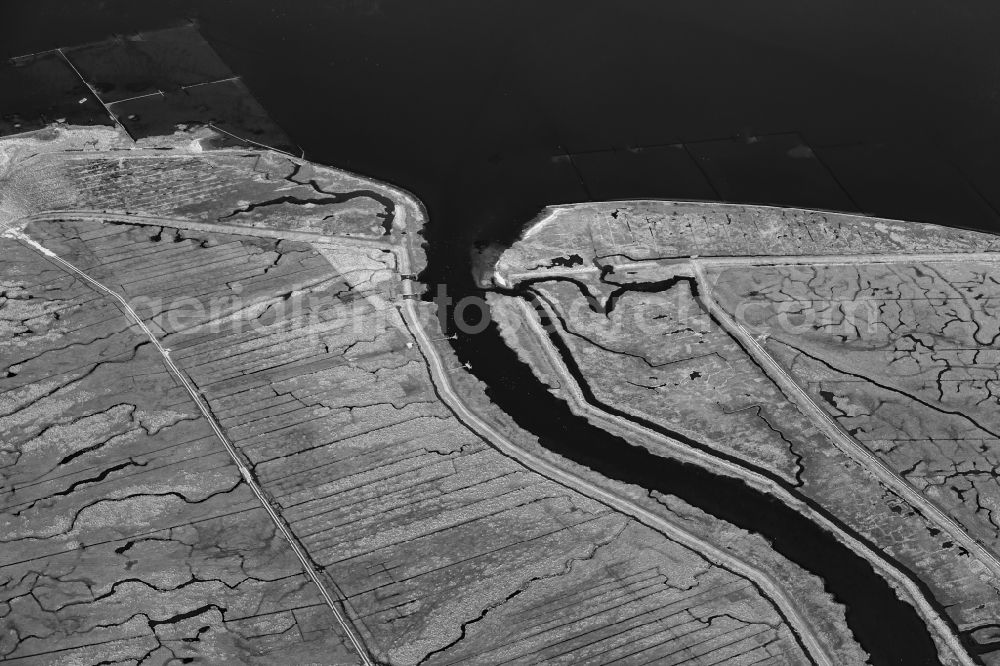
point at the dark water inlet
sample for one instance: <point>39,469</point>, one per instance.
<point>877,617</point>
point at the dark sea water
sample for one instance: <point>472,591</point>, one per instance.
<point>490,111</point>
